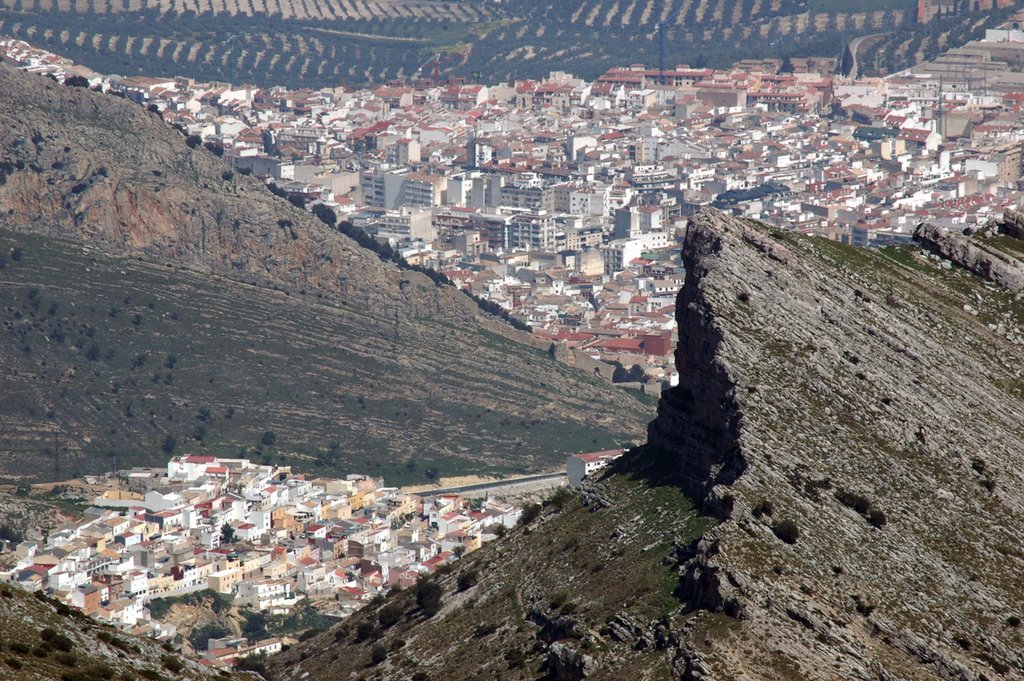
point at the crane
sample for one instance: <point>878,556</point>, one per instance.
<point>436,71</point>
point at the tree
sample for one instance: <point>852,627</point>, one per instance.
<point>76,81</point>
<point>255,624</point>
<point>169,445</point>
<point>459,551</point>
<point>325,214</point>
<point>269,438</point>
<point>227,534</point>
<point>428,596</point>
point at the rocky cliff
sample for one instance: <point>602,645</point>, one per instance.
<point>152,301</point>
<point>113,175</point>
<point>850,419</point>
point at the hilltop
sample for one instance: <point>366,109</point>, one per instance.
<point>154,302</point>
<point>834,490</point>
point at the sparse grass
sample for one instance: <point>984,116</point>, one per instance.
<point>567,544</point>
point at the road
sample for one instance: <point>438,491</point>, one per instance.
<point>537,481</point>
<point>855,47</point>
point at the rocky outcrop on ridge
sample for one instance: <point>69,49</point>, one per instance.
<point>854,419</point>
<point>104,171</point>
<point>851,418</point>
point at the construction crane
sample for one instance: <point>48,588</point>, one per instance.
<point>436,71</point>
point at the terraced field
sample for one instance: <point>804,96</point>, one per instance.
<point>324,42</point>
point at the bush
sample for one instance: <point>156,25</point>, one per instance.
<point>857,502</point>
<point>77,81</point>
<point>876,518</point>
<point>193,141</point>
<point>560,498</point>
<point>389,615</point>
<point>787,531</point>
<point>365,631</point>
<point>57,640</point>
<point>214,148</point>
<point>762,509</point>
<point>428,596</point>
<point>485,630</point>
<point>530,513</point>
<point>172,664</point>
<point>468,578</point>
<point>378,654</point>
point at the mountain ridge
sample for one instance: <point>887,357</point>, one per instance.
<point>849,418</point>
<point>161,303</point>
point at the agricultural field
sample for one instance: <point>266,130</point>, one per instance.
<point>903,48</point>
<point>315,43</point>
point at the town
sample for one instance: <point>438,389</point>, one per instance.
<point>264,537</point>
<point>562,202</point>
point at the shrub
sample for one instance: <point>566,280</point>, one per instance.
<point>67,659</point>
<point>172,664</point>
<point>530,513</point>
<point>77,81</point>
<point>763,508</point>
<point>787,531</point>
<point>468,578</point>
<point>485,630</point>
<point>193,141</point>
<point>1013,621</point>
<point>378,654</point>
<point>428,596</point>
<point>876,518</point>
<point>365,631</point>
<point>857,502</point>
<point>214,148</point>
<point>13,663</point>
<point>389,615</point>
<point>560,498</point>
<point>57,640</point>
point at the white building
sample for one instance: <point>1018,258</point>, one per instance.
<point>579,466</point>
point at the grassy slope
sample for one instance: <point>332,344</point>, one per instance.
<point>561,578</point>
<point>396,400</point>
<point>84,650</point>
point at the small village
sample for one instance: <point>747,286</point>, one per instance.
<point>263,536</point>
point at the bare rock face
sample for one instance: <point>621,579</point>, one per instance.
<point>854,418</point>
<point>85,165</point>
<point>974,255</point>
